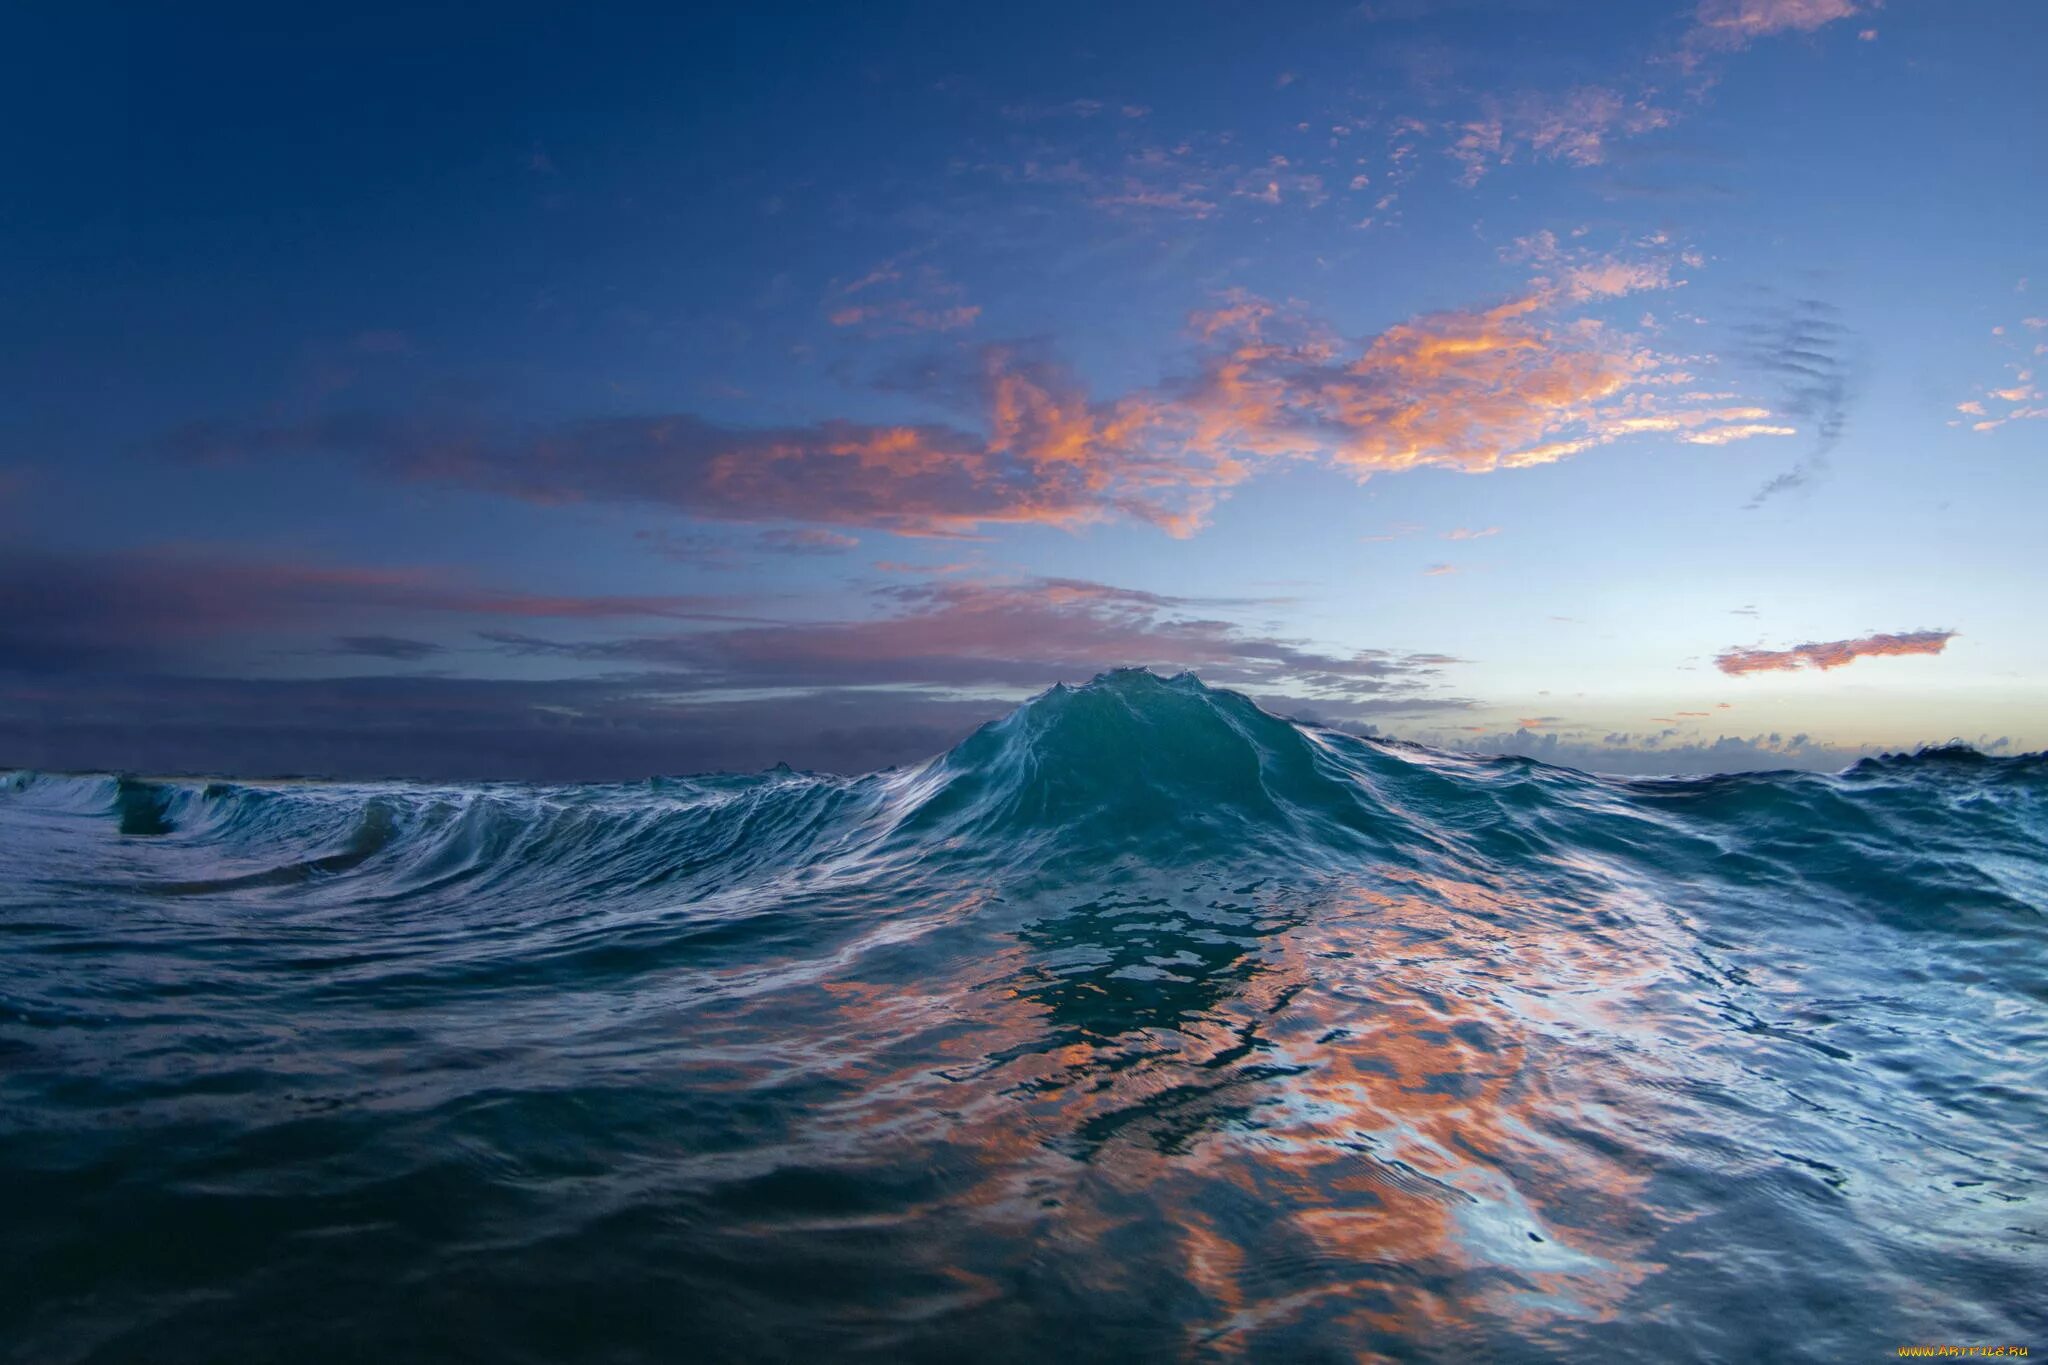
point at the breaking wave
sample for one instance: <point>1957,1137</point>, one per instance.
<point>1142,1024</point>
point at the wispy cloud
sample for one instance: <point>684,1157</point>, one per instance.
<point>2018,398</point>
<point>618,727</point>
<point>1517,384</point>
<point>165,609</point>
<point>1733,24</point>
<point>898,566</point>
<point>1801,346</point>
<point>808,540</point>
<point>397,648</point>
<point>901,295</point>
<point>1831,653</point>
<point>722,551</point>
<point>1575,127</point>
<point>1573,272</point>
<point>1005,633</point>
<point>1036,111</point>
<point>61,610</point>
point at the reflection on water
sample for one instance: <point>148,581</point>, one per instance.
<point>1364,1054</point>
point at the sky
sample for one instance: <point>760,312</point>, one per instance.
<point>588,394</point>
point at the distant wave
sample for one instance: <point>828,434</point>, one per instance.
<point>1141,1014</point>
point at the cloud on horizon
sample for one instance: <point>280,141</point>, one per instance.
<point>1663,754</point>
<point>1829,654</point>
<point>61,609</point>
<point>1011,634</point>
<point>158,659</point>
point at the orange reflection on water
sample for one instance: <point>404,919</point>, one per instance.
<point>1422,1137</point>
<point>1341,1122</point>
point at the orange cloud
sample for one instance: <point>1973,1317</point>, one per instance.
<point>1831,653</point>
<point>2022,397</point>
<point>1517,384</point>
<point>1504,387</point>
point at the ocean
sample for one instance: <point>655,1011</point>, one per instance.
<point>1142,1025</point>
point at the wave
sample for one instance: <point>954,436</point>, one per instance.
<point>1152,771</point>
<point>1141,1018</point>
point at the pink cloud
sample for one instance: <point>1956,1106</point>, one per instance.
<point>896,297</point>
<point>1018,632</point>
<point>1829,654</point>
<point>1504,387</point>
<point>1519,383</point>
<point>1736,23</point>
<point>2022,397</point>
<point>1575,127</point>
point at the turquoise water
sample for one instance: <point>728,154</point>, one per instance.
<point>1143,1025</point>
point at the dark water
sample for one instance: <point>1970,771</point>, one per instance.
<point>1141,1026</point>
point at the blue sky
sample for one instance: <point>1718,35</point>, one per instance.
<point>1645,386</point>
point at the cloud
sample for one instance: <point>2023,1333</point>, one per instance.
<point>901,295</point>
<point>807,541</point>
<point>1440,570</point>
<point>1582,126</point>
<point>898,566</point>
<point>116,671</point>
<point>1801,347</point>
<point>1052,459</point>
<point>1575,127</point>
<point>1831,653</point>
<point>1661,753</point>
<point>1521,382</point>
<point>1734,24</point>
<point>1739,431</point>
<point>1190,178</point>
<point>65,610</point>
<point>706,551</point>
<point>2020,399</point>
<point>1038,111</point>
<point>123,682</point>
<point>1022,633</point>
<point>1463,533</point>
<point>619,728</point>
<point>1510,386</point>
<point>392,647</point>
<point>1576,274</point>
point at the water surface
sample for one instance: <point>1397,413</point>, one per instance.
<point>1143,1025</point>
